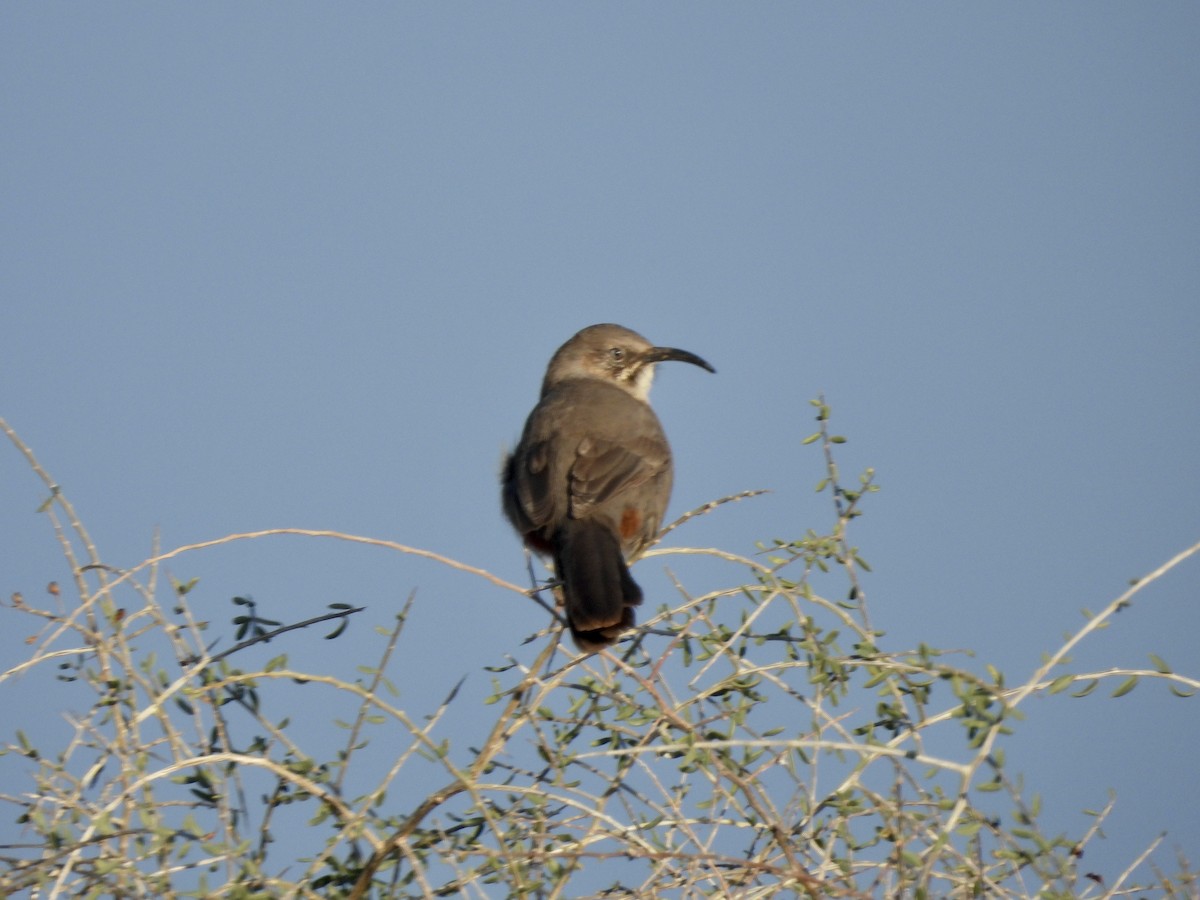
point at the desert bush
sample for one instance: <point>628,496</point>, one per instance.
<point>758,740</point>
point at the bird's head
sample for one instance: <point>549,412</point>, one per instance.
<point>614,354</point>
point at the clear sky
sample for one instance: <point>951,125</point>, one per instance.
<point>303,265</point>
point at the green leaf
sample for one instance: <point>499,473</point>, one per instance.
<point>1126,686</point>
<point>183,587</point>
<point>337,631</point>
<point>1160,664</point>
<point>1087,688</point>
<point>1060,684</point>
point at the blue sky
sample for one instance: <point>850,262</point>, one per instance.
<point>271,266</point>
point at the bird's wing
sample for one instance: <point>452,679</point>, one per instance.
<point>604,470</point>
<point>530,480</point>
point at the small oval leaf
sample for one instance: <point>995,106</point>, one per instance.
<point>1126,686</point>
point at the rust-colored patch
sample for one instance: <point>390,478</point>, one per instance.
<point>631,523</point>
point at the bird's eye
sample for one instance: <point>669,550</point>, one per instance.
<point>617,353</point>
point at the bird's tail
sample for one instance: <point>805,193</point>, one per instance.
<point>598,590</point>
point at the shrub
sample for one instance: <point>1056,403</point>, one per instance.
<point>748,742</point>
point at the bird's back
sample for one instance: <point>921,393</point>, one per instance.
<point>590,451</point>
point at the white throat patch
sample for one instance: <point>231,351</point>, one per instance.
<point>640,386</point>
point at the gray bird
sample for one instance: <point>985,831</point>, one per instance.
<point>589,482</point>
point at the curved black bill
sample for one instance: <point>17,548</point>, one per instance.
<point>662,354</point>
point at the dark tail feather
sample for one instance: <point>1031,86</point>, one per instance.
<point>598,590</point>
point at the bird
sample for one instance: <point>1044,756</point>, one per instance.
<point>588,483</point>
